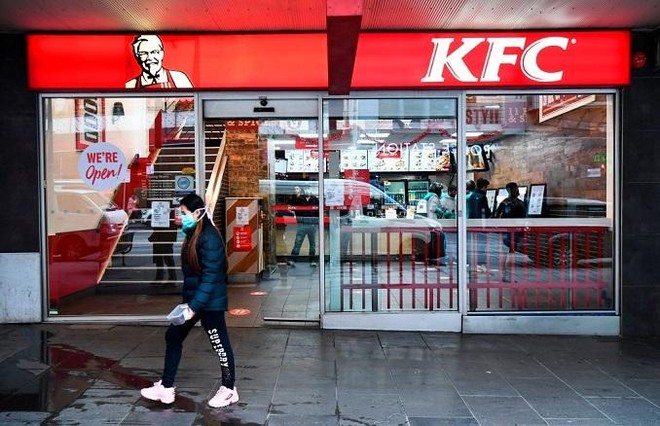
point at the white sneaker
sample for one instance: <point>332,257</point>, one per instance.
<point>159,393</point>
<point>223,397</point>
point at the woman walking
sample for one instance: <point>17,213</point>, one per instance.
<point>204,267</point>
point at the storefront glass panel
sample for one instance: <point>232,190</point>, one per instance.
<point>114,170</point>
<point>288,186</point>
<point>540,223</point>
<point>390,247</point>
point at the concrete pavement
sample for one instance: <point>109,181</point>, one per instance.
<point>57,374</point>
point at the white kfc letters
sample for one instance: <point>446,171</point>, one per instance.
<point>501,51</point>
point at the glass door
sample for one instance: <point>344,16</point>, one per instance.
<point>390,255</point>
<point>271,146</point>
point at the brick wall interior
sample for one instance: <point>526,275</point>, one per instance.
<point>248,162</point>
<point>557,152</point>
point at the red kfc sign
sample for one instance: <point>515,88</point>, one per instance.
<point>567,58</point>
<point>299,61</point>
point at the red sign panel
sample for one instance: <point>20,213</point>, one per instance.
<point>440,60</point>
<point>352,192</point>
<point>177,61</point>
<point>244,125</point>
<point>299,61</point>
<point>242,238</point>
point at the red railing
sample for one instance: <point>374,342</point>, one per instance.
<point>540,268</point>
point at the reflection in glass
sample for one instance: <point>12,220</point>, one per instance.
<point>110,249</point>
<point>385,254</point>
<point>559,256</point>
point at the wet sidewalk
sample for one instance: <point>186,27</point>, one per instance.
<point>91,375</point>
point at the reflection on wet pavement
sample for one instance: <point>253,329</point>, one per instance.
<point>62,384</point>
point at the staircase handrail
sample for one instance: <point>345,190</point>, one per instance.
<point>215,180</point>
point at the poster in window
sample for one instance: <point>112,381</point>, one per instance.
<point>522,193</point>
<point>281,165</point>
<point>160,214</point>
<point>333,192</point>
<point>490,197</point>
<point>501,194</point>
<point>535,204</point>
<point>476,159</point>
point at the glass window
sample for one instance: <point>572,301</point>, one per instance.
<point>389,202</point>
<point>540,212</point>
<point>115,168</point>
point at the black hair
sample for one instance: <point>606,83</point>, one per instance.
<point>436,188</point>
<point>482,183</point>
<point>470,185</point>
<point>511,186</point>
<point>192,202</point>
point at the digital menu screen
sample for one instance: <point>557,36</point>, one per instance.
<point>302,160</point>
<point>353,159</point>
<point>386,161</point>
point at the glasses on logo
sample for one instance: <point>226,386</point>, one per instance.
<point>145,55</point>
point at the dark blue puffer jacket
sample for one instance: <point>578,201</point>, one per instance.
<point>206,291</point>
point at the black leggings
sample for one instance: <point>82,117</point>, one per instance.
<point>216,330</point>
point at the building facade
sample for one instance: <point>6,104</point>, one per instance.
<point>574,262</point>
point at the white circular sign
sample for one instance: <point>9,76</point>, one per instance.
<point>102,166</point>
<point>184,183</point>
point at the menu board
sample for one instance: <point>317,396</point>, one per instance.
<point>430,160</point>
<point>302,160</point>
<point>443,159</point>
<point>397,159</point>
<point>535,203</point>
<point>384,161</point>
<point>422,160</point>
<point>353,159</point>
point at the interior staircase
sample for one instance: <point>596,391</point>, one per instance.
<point>134,267</point>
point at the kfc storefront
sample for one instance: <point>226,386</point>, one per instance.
<point>326,190</point>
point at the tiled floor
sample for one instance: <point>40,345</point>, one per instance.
<point>285,293</point>
<point>91,375</point>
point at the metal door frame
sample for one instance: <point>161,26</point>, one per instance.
<point>449,321</point>
<point>255,105</point>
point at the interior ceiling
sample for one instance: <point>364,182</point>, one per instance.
<point>341,19</point>
<point>306,15</point>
